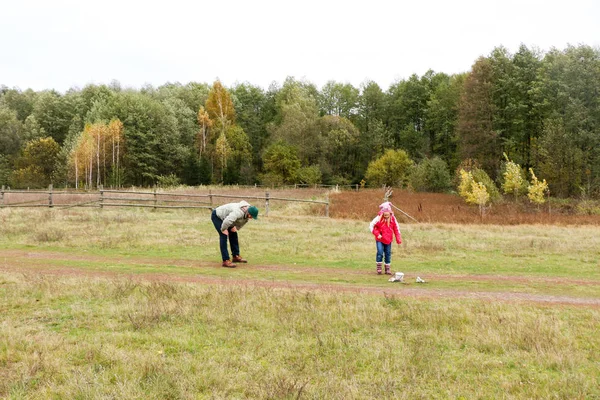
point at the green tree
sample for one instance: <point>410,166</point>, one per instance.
<point>442,118</point>
<point>296,124</point>
<point>281,163</point>
<point>561,160</point>
<point>36,164</point>
<point>477,138</point>
<point>20,102</point>
<point>54,113</point>
<point>340,147</point>
<point>431,175</point>
<point>338,99</point>
<point>391,169</point>
<point>254,110</point>
<point>406,105</point>
<point>239,157</point>
<point>309,175</point>
<point>10,131</point>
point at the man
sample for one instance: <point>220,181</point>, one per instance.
<point>228,219</point>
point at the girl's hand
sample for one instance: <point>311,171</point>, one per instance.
<point>234,229</point>
<point>379,237</point>
<point>225,232</point>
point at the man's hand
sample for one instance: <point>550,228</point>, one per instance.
<point>225,232</point>
<point>234,229</point>
<point>379,237</point>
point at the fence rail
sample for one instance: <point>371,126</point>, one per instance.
<point>110,198</point>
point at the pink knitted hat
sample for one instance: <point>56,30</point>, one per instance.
<point>385,207</point>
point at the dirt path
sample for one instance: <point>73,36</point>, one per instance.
<point>22,261</point>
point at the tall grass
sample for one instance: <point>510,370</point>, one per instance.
<point>450,208</point>
<point>118,338</point>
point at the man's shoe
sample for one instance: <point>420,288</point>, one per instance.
<point>238,259</point>
<point>228,264</point>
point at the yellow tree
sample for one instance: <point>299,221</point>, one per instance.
<point>219,107</point>
<point>115,133</point>
<point>222,152</point>
<point>513,178</point>
<point>83,156</point>
<point>205,124</point>
<point>473,192</point>
<point>99,132</point>
<point>221,113</point>
<point>537,189</point>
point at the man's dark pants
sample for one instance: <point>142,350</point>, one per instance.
<point>233,238</point>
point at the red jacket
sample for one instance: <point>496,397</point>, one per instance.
<point>380,227</point>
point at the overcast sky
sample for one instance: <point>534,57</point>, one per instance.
<point>59,44</point>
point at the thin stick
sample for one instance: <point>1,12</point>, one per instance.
<point>404,213</point>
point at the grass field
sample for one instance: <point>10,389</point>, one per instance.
<point>134,304</point>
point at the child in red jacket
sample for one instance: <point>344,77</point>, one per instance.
<point>384,226</point>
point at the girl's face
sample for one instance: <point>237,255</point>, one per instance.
<point>386,215</point>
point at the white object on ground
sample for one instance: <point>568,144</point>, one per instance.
<point>398,277</point>
<point>419,280</point>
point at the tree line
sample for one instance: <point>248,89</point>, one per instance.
<point>541,109</point>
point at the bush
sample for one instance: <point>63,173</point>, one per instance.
<point>431,175</point>
<point>392,169</point>
<point>168,181</point>
<point>29,177</point>
<point>309,175</point>
<point>480,176</point>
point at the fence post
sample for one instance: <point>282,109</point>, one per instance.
<point>2,197</point>
<point>327,206</point>
<point>101,196</point>
<point>357,187</point>
<point>210,196</point>
<point>155,197</point>
<point>50,205</point>
<point>266,204</point>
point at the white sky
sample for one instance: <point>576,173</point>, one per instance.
<point>59,44</point>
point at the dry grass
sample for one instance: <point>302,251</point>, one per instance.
<point>87,339</point>
<point>448,208</point>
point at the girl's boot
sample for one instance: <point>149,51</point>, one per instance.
<point>387,269</point>
<point>378,268</point>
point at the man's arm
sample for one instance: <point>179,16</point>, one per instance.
<point>230,219</point>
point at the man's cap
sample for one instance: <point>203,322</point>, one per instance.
<point>252,210</point>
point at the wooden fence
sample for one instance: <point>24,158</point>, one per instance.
<point>121,198</point>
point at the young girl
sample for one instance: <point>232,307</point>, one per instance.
<point>384,226</point>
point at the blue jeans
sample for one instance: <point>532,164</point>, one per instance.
<point>384,249</point>
<point>233,238</point>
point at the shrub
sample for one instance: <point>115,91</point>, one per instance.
<point>392,169</point>
<point>431,175</point>
<point>514,180</point>
<point>309,175</point>
<point>537,189</point>
<point>480,176</point>
<point>168,181</point>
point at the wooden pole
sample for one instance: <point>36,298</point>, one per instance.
<point>50,205</point>
<point>266,204</point>
<point>327,207</point>
<point>101,196</point>
<point>2,197</point>
<point>155,197</point>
